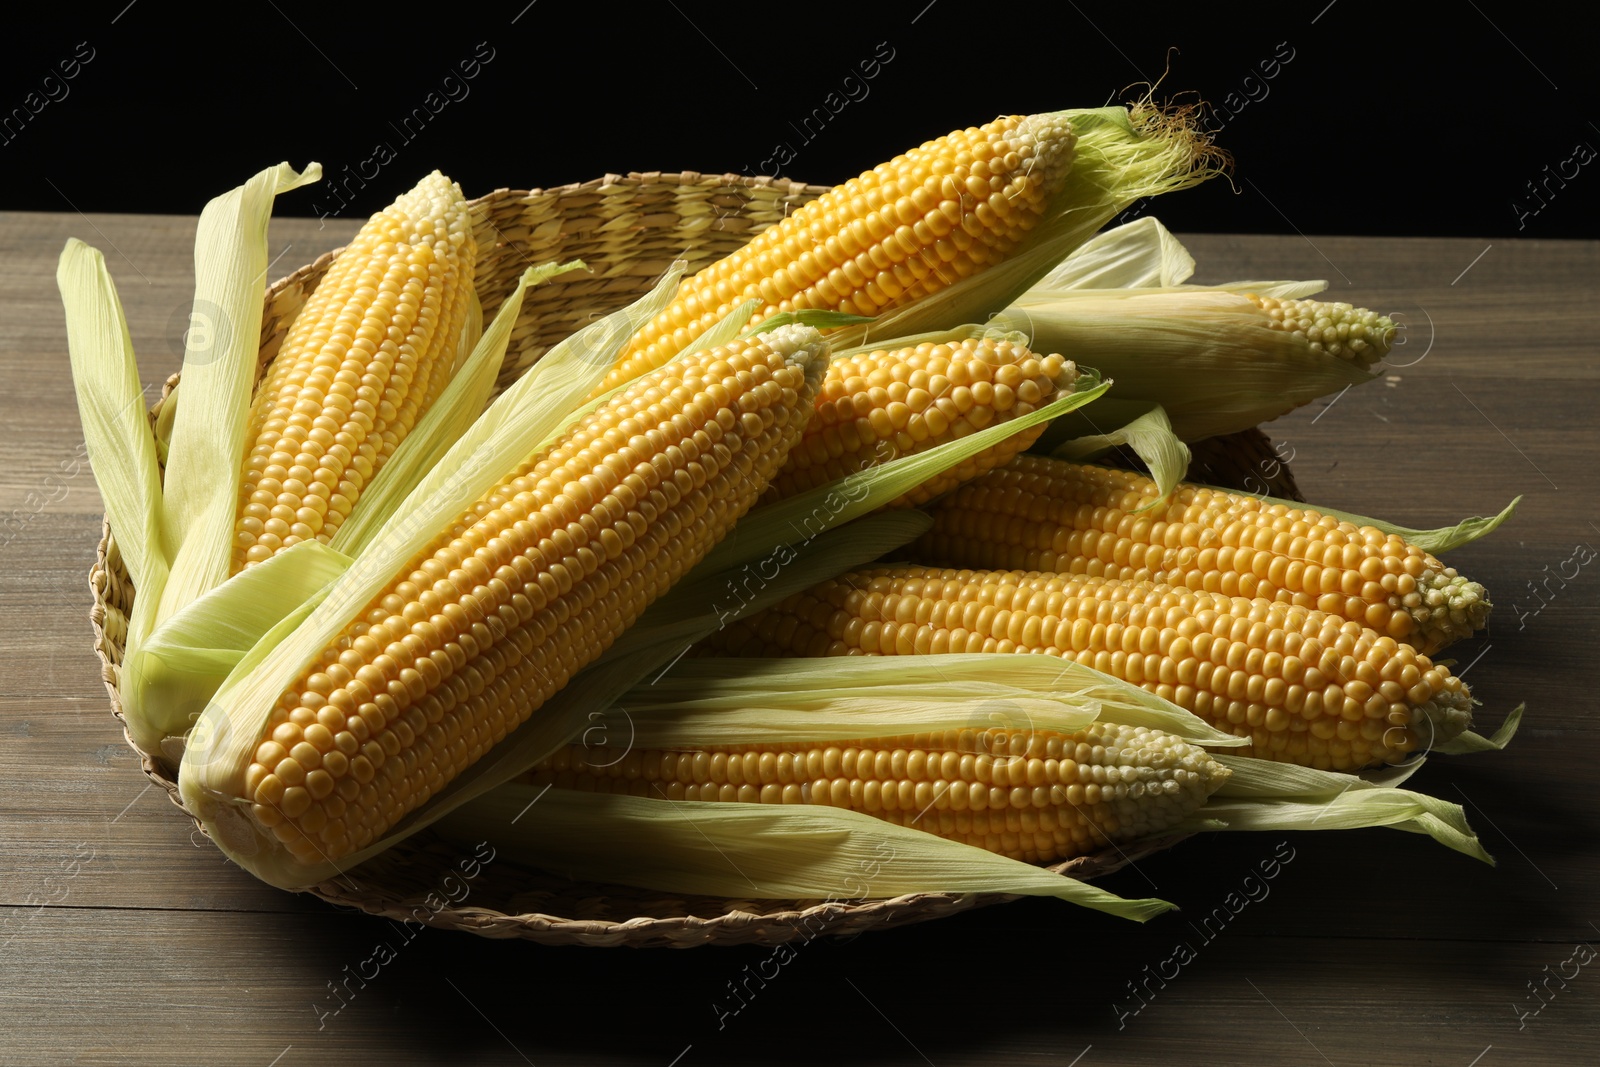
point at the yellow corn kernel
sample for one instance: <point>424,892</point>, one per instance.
<point>540,578</point>
<point>371,349</point>
<point>1305,687</point>
<point>1021,793</point>
<point>880,406</point>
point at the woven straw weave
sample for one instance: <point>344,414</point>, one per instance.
<point>628,230</point>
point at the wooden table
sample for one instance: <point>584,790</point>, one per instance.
<point>128,939</point>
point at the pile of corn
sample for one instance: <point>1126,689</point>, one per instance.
<point>369,600</point>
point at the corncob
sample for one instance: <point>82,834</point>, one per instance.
<point>1049,515</point>
<point>1032,795</point>
<point>913,226</point>
<point>533,584</point>
<point>1331,327</point>
<point>879,406</point>
<point>1304,686</point>
<point>1218,359</point>
<point>360,364</point>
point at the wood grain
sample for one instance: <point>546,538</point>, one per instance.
<point>124,939</point>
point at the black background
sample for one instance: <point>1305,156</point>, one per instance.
<point>1396,119</point>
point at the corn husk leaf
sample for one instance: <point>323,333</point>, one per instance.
<point>726,701</point>
<point>540,402</point>
<point>165,417</point>
<point>1144,254</point>
<point>173,675</point>
<point>456,409</point>
<point>1137,255</point>
<point>753,850</point>
<point>1281,290</point>
<point>204,458</point>
<point>1440,540</point>
<point>1121,155</point>
<point>727,330</point>
<point>116,426</point>
<point>121,447</point>
<point>1148,433</point>
<point>471,332</point>
<point>1265,795</point>
<point>804,515</point>
<point>1468,741</point>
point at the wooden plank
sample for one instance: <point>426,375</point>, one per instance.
<point>207,987</point>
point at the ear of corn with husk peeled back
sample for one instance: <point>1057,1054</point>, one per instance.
<point>504,607</point>
<point>957,226</point>
<point>1044,514</point>
<point>1304,686</point>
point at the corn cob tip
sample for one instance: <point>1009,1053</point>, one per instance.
<point>1050,138</point>
<point>1444,718</point>
<point>1170,778</point>
<point>1447,607</point>
<point>1334,328</point>
<point>800,344</point>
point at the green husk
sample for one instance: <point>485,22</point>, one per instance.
<point>219,370</point>
<point>1207,355</point>
<point>753,850</point>
<point>471,332</point>
<point>726,701</point>
<point>727,330</point>
<point>1120,303</point>
<point>176,540</point>
<point>116,427</point>
<point>165,417</point>
<point>1437,541</point>
<point>1142,254</point>
<point>173,675</point>
<point>1146,430</point>
<point>1468,742</point>
<point>1265,795</point>
<point>122,451</point>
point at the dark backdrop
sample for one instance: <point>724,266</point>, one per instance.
<point>1345,117</point>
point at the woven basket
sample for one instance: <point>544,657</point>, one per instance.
<point>628,230</point>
